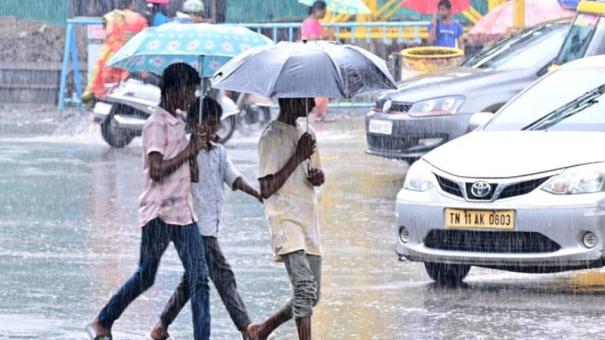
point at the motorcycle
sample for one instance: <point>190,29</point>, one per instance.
<point>255,113</point>
<point>122,111</point>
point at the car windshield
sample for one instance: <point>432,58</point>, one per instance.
<point>546,99</point>
<point>534,47</point>
<point>585,38</point>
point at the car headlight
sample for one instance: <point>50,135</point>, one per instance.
<point>437,106</point>
<point>583,179</point>
<point>419,177</point>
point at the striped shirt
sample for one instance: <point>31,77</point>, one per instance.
<point>169,199</point>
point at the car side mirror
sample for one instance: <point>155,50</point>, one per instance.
<point>479,119</point>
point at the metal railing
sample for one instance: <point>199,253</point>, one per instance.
<point>350,32</point>
<point>71,49</point>
<point>406,31</point>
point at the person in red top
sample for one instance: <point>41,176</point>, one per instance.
<point>312,29</point>
<point>120,24</point>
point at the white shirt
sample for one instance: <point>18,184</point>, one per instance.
<point>216,170</point>
<point>292,211</point>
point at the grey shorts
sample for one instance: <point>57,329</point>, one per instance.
<point>305,276</point>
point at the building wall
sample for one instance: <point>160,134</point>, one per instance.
<point>53,11</point>
<point>265,10</point>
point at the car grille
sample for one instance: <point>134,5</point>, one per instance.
<point>490,241</point>
<point>400,107</point>
<point>449,186</point>
<point>395,106</point>
<point>511,190</point>
<point>522,188</point>
<point>389,143</point>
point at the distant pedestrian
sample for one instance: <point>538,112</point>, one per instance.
<point>166,206</point>
<point>289,171</point>
<point>192,13</point>
<point>445,31</point>
<point>311,29</point>
<point>121,24</point>
<point>157,12</point>
<point>215,170</point>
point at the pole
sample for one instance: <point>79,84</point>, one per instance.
<point>518,14</point>
<point>214,11</point>
<point>373,6</point>
<point>64,69</point>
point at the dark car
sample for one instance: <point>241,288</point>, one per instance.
<point>429,110</point>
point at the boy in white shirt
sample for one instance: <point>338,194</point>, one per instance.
<point>214,169</point>
<point>289,172</point>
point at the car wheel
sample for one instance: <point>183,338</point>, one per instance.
<point>113,134</point>
<point>447,274</point>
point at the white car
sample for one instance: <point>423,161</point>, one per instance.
<point>524,192</point>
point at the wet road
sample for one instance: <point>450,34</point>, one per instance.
<point>68,239</point>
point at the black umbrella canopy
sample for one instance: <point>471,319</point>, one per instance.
<point>302,70</point>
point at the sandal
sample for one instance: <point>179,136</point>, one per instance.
<point>92,333</point>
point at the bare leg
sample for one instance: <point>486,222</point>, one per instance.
<point>303,325</point>
<point>262,331</point>
<point>159,332</point>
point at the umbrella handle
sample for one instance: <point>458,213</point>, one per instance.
<point>307,127</point>
<point>202,90</point>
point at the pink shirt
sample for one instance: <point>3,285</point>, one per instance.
<point>311,29</point>
<point>169,199</point>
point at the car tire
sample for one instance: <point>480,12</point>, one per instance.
<point>114,135</point>
<point>447,274</point>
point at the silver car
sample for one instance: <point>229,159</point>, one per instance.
<point>433,109</point>
<point>523,192</point>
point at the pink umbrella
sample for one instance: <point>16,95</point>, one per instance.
<point>499,21</point>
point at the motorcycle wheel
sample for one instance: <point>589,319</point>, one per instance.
<point>253,118</point>
<point>266,115</point>
<point>227,128</point>
<point>114,135</point>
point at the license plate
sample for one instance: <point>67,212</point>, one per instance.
<point>481,219</point>
<point>102,108</point>
<point>383,127</point>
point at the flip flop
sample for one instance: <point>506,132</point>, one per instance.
<point>90,330</point>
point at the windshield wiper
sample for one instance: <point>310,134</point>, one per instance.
<point>577,105</point>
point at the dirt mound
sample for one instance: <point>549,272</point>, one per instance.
<point>34,41</point>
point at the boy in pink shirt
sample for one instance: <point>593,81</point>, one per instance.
<point>166,212</point>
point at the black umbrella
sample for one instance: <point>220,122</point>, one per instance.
<point>304,70</point>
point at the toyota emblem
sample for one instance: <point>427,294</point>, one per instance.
<point>481,189</point>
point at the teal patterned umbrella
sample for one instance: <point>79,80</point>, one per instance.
<point>342,6</point>
<point>203,46</point>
